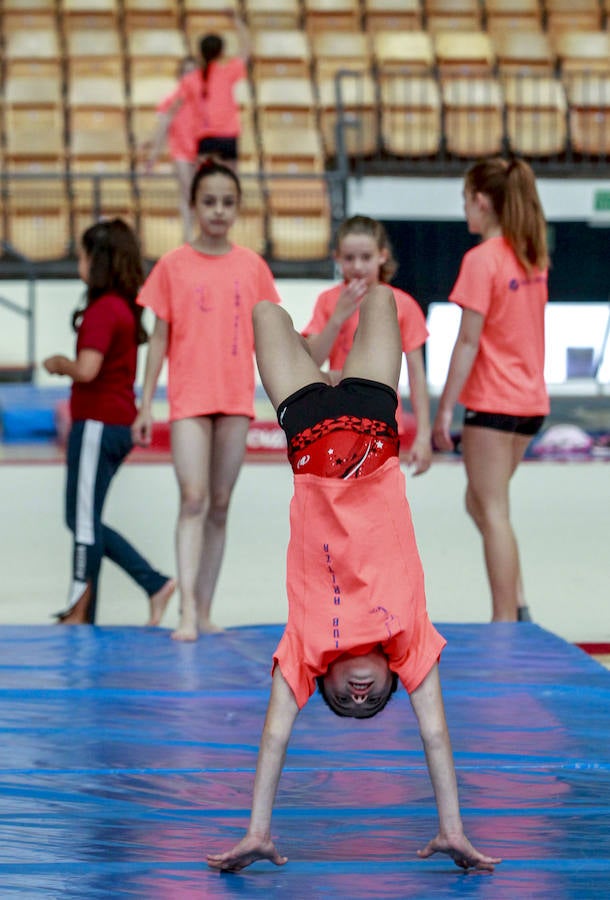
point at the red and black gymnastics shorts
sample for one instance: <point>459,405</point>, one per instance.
<point>345,431</point>
<point>527,425</point>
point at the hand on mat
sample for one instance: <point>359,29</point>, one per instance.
<point>249,850</point>
<point>461,852</point>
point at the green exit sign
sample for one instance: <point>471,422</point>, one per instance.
<point>601,201</point>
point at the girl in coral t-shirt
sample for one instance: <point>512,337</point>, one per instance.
<point>497,366</point>
<point>208,93</point>
<point>364,254</point>
<point>180,131</point>
<point>357,619</point>
<point>203,294</point>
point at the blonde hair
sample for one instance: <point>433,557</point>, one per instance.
<point>375,230</point>
<point>511,188</point>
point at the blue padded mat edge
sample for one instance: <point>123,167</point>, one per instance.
<point>125,757</point>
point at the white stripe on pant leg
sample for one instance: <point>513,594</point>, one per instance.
<point>87,476</point>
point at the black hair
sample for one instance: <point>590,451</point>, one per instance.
<point>363,712</point>
<point>211,166</point>
<point>210,47</point>
<point>115,267</point>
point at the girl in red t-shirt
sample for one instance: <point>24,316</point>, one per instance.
<point>364,255</point>
<point>102,408</point>
<point>497,366</point>
<point>203,294</point>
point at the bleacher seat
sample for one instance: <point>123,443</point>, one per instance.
<point>272,14</point>
<point>473,116</point>
<point>392,15</point>
<point>90,15</point>
<point>155,51</point>
<point>333,15</point>
<point>299,237</point>
<point>573,15</point>
<point>335,50</point>
<point>452,15</point>
<point>153,14</point>
<point>358,102</point>
<point>292,151</point>
<point>513,15</point>
<point>285,102</point>
<point>410,115</point>
<point>535,115</point>
<point>589,114</point>
<point>24,128</point>
<point>103,56</point>
<point>38,218</point>
<point>523,53</point>
<point>410,52</point>
<point>281,52</point>
<point>582,52</point>
<point>461,54</point>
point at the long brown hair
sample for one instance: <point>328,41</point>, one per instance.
<point>115,267</point>
<point>511,187</point>
<point>375,230</point>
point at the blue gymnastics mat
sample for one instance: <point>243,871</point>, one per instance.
<point>125,757</point>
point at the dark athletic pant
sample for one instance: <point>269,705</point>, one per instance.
<point>95,452</point>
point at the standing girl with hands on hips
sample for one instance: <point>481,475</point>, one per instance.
<point>102,408</point>
<point>363,252</point>
<point>497,365</point>
<point>203,294</point>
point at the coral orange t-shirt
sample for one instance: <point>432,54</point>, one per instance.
<point>207,302</point>
<point>508,372</point>
<point>182,132</point>
<point>411,321</point>
<point>354,580</point>
<point>216,113</point>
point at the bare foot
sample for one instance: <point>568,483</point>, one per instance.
<point>159,601</point>
<point>78,614</point>
<point>187,629</point>
<point>206,626</point>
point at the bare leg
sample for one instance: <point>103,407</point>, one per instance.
<point>228,448</point>
<point>184,173</point>
<point>159,600</point>
<point>284,362</point>
<point>491,458</point>
<point>191,453</point>
<point>376,352</point>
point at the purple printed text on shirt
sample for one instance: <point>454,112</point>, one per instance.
<point>335,596</point>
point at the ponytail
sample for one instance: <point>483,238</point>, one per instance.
<point>210,47</point>
<point>511,188</point>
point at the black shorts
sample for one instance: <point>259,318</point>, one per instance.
<point>346,431</point>
<point>527,425</point>
<point>357,397</point>
<point>223,147</point>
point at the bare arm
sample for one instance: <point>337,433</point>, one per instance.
<point>84,368</point>
<point>141,429</point>
<point>427,703</point>
<point>243,37</point>
<point>257,844</point>
<point>462,358</point>
<point>348,302</point>
<point>155,143</point>
<point>420,453</point>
